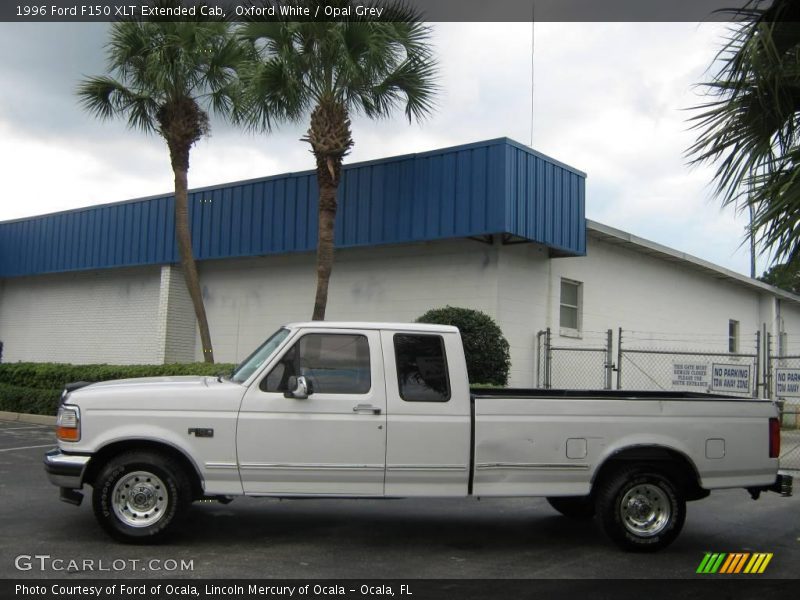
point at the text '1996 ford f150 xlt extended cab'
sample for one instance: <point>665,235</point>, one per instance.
<point>384,410</point>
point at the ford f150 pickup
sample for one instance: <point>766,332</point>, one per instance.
<point>384,410</point>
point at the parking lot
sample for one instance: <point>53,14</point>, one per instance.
<point>265,538</point>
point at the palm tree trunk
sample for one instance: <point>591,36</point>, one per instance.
<point>328,170</point>
<point>188,265</point>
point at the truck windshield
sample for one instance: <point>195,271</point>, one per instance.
<point>259,357</point>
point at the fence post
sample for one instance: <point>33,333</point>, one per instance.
<point>768,365</point>
<point>758,364</point>
<point>548,359</point>
<point>539,366</point>
<point>609,359</point>
<point>619,359</point>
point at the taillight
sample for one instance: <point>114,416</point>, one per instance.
<point>68,424</point>
<point>774,438</point>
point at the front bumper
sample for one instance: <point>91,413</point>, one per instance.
<point>65,470</point>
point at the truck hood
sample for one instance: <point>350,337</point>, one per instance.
<point>143,383</point>
<point>155,392</point>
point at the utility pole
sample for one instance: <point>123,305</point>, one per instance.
<point>752,244</point>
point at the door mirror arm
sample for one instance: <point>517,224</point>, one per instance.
<point>300,388</point>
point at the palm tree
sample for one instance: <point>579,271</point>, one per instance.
<point>750,127</point>
<point>165,77</point>
<point>335,70</point>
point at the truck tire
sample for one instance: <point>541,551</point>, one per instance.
<point>138,497</point>
<point>641,509</point>
<point>579,507</point>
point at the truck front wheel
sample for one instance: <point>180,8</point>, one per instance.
<point>640,509</point>
<point>139,496</point>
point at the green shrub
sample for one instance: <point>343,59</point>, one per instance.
<point>485,347</point>
<point>36,387</point>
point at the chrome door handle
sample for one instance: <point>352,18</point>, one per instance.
<point>367,408</point>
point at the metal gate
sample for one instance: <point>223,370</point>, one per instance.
<point>643,366</point>
<point>575,366</point>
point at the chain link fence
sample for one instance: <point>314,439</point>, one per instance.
<point>649,361</point>
<point>783,386</point>
<point>662,361</point>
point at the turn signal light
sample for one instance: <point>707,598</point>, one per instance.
<point>68,424</point>
<point>774,438</point>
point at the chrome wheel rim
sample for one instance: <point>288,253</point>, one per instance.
<point>645,510</point>
<point>139,499</point>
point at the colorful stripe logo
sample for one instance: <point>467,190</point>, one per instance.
<point>734,563</point>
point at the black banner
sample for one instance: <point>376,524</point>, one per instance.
<point>702,587</point>
<point>432,10</point>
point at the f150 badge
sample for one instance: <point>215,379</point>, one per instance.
<point>201,432</point>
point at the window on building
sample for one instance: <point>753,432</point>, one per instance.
<point>733,336</point>
<point>421,368</point>
<point>334,363</point>
<point>570,316</point>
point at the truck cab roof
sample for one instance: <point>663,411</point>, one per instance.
<point>422,327</point>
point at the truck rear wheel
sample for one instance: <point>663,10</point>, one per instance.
<point>579,507</point>
<point>640,509</point>
<point>139,496</point>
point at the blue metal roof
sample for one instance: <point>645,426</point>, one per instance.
<point>491,187</point>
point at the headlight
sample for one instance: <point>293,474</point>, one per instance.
<point>68,424</point>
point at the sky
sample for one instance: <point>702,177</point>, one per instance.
<point>610,99</point>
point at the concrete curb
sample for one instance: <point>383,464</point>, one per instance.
<point>27,418</point>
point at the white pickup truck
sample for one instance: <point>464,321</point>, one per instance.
<point>384,410</point>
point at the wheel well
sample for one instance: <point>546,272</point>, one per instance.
<point>106,453</point>
<point>664,460</point>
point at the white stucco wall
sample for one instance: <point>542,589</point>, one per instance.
<point>641,293</point>
<point>248,299</point>
<point>524,303</point>
<point>106,316</point>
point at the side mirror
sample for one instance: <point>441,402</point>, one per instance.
<point>299,388</point>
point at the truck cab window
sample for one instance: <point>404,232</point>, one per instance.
<point>421,368</point>
<point>334,363</point>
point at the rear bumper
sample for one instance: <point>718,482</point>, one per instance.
<point>65,470</point>
<point>783,485</point>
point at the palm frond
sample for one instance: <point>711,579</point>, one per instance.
<point>750,129</point>
<point>369,66</point>
<point>156,63</point>
<point>107,98</point>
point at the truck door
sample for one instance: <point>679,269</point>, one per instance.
<point>428,427</point>
<point>334,441</point>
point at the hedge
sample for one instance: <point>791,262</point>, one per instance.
<point>36,387</point>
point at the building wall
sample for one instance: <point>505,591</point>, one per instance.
<point>787,321</point>
<point>524,303</point>
<point>660,305</point>
<point>649,295</point>
<point>248,299</point>
<point>87,317</point>
<point>141,315</point>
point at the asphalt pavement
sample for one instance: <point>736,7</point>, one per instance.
<point>413,538</point>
